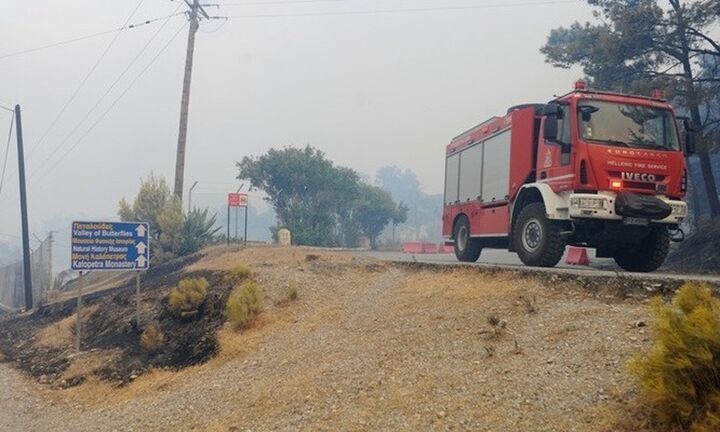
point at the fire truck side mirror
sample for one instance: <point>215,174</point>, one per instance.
<point>690,143</point>
<point>552,113</point>
<point>550,129</point>
<point>689,136</point>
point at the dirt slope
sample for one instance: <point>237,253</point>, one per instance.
<point>374,346</point>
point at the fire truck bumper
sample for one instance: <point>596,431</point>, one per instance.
<point>602,206</point>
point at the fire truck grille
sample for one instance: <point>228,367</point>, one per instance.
<point>639,185</point>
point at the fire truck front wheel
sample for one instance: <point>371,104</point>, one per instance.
<point>467,249</point>
<point>537,239</point>
<point>647,255</point>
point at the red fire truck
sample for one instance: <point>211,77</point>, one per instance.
<point>593,169</point>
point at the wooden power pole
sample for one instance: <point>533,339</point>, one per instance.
<point>195,13</point>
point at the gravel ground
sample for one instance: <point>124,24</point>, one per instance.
<point>371,346</point>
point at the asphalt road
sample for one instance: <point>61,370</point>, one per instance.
<point>505,259</point>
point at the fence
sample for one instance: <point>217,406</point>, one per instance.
<point>11,277</point>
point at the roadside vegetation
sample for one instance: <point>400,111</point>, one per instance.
<point>172,233</point>
<point>244,305</point>
<point>680,375</point>
<point>152,337</point>
<point>185,299</point>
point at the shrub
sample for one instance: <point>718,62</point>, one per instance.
<point>187,297</point>
<point>152,338</point>
<point>237,274</point>
<point>244,305</point>
<point>292,293</point>
<point>680,375</point>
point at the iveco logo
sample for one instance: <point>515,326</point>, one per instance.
<point>638,177</point>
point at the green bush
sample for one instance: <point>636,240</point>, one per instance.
<point>680,375</point>
<point>186,298</point>
<point>237,274</point>
<point>244,305</point>
<point>152,338</point>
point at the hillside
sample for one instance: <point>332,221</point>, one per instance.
<point>366,346</point>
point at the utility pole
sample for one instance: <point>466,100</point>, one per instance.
<point>27,277</point>
<point>195,13</point>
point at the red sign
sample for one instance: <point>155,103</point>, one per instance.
<point>237,200</point>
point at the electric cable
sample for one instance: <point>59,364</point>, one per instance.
<point>84,80</point>
<point>104,95</point>
<point>7,152</point>
<point>110,108</point>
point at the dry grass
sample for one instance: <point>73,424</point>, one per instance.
<point>224,258</point>
<point>87,362</point>
<point>237,274</point>
<point>152,338</point>
<point>403,348</point>
<point>61,334</point>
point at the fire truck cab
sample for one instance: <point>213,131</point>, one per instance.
<point>593,169</point>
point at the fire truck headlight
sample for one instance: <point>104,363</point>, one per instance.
<point>679,209</point>
<point>588,203</point>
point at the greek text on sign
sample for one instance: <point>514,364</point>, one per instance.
<point>99,246</point>
<point>237,200</point>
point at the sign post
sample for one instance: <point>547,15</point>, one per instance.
<point>78,321</point>
<point>237,200</point>
<point>108,246</point>
<point>137,299</point>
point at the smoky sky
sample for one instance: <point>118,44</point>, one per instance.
<point>371,90</point>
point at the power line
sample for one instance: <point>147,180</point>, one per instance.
<point>84,80</point>
<point>107,92</point>
<point>82,38</point>
<point>275,2</point>
<point>7,152</point>
<point>107,111</point>
<point>287,2</point>
<point>405,10</point>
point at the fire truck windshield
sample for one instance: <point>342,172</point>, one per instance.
<point>627,125</point>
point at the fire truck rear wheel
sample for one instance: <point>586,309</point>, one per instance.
<point>467,249</point>
<point>648,255</point>
<point>537,239</point>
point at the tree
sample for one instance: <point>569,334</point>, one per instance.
<point>638,45</point>
<point>316,200</point>
<point>375,210</point>
<point>154,193</point>
<point>172,234</point>
<point>310,195</point>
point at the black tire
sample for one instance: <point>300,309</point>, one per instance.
<point>646,256</point>
<point>467,249</point>
<point>537,240</point>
